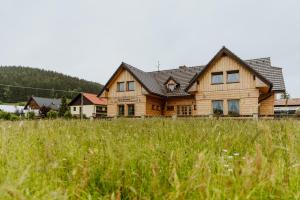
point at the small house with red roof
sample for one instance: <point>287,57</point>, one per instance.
<point>89,105</point>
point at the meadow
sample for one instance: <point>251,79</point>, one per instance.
<point>150,159</point>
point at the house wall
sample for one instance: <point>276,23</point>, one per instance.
<point>266,107</point>
<point>87,110</point>
<point>115,98</point>
<point>183,101</point>
<point>154,106</point>
<point>33,105</point>
<point>245,90</point>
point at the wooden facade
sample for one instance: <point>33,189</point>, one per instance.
<point>247,93</point>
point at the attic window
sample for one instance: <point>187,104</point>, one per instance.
<point>171,86</point>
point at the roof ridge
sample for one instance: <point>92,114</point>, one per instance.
<point>276,67</point>
<point>258,58</point>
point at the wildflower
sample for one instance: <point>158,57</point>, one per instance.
<point>225,150</point>
<point>226,166</point>
<point>230,157</point>
<point>230,170</point>
<point>236,154</point>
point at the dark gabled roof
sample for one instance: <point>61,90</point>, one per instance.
<point>271,73</point>
<point>47,102</point>
<point>154,82</point>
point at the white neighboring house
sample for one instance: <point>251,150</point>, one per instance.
<point>89,104</point>
<point>35,103</point>
<point>286,106</point>
<point>12,109</point>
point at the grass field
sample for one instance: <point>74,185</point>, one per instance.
<point>150,159</point>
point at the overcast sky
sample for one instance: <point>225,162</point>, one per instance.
<point>90,38</point>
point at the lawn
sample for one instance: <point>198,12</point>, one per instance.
<point>150,159</point>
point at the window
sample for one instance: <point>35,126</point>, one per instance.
<point>233,107</point>
<point>157,107</point>
<point>217,78</point>
<point>153,107</point>
<point>170,108</point>
<point>130,109</point>
<point>121,110</point>
<point>217,107</point>
<point>171,86</point>
<point>233,76</point>
<point>184,110</point>
<point>74,108</point>
<point>130,85</point>
<point>120,86</point>
<point>100,109</point>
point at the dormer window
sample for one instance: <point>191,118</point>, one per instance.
<point>171,84</point>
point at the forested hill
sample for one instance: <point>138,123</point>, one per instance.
<point>39,78</point>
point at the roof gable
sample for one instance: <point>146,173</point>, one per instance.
<point>47,102</point>
<point>88,99</point>
<point>145,79</point>
<point>226,52</point>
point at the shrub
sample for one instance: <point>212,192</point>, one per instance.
<point>14,117</point>
<point>68,115</point>
<point>8,116</point>
<point>44,110</point>
<point>4,115</point>
<point>30,115</point>
<point>52,114</point>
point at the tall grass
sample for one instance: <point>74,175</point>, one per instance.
<point>150,159</point>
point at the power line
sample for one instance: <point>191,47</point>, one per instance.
<point>45,89</point>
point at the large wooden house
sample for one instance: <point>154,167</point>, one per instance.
<point>227,86</point>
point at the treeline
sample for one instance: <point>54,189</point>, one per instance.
<point>39,78</point>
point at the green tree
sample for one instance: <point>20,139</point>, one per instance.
<point>63,107</point>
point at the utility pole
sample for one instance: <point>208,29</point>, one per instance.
<point>158,65</point>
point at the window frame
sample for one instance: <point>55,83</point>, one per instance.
<point>212,106</point>
<point>184,110</point>
<point>153,107</point>
<point>127,85</point>
<point>170,108</point>
<point>158,107</point>
<point>233,114</point>
<point>121,105</point>
<point>215,74</point>
<point>118,86</point>
<point>128,110</point>
<point>232,72</point>
<point>74,109</point>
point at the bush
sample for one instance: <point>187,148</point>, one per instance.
<point>52,114</point>
<point>30,115</point>
<point>14,117</point>
<point>68,115</point>
<point>8,116</point>
<point>4,115</point>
